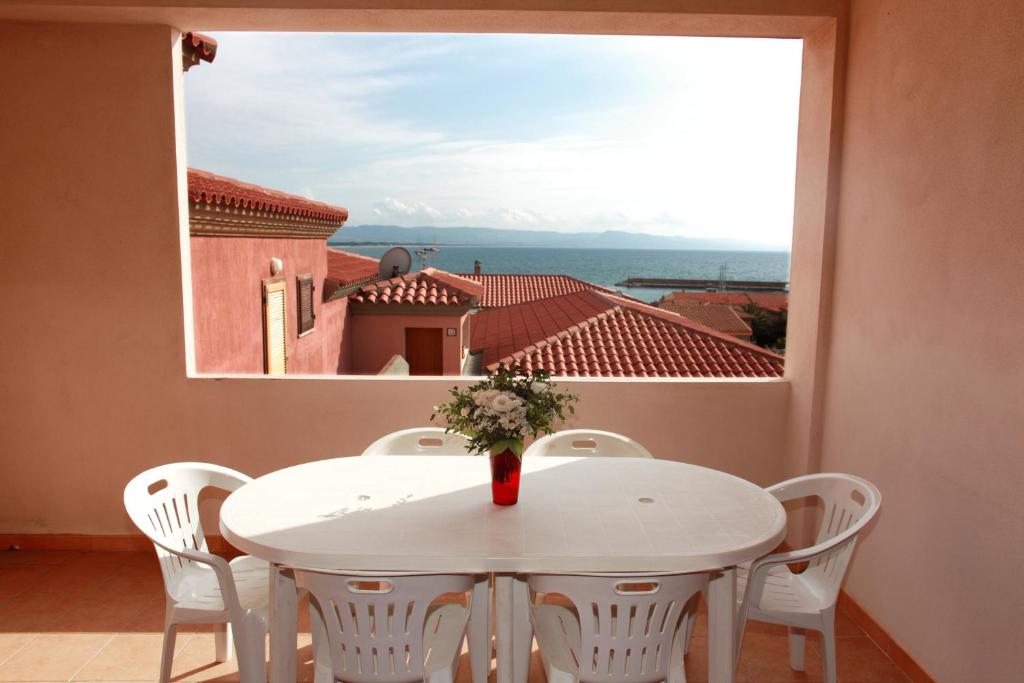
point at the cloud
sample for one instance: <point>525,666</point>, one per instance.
<point>667,135</point>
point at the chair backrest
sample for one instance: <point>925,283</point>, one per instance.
<point>373,624</point>
<point>420,441</point>
<point>849,504</point>
<point>627,624</point>
<point>583,442</point>
<point>163,502</point>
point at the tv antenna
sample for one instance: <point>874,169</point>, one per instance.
<point>722,277</point>
<point>395,261</point>
<point>424,255</point>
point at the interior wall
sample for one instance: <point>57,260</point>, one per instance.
<point>91,238</point>
<point>926,374</point>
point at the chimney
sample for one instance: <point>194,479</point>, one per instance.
<point>476,267</point>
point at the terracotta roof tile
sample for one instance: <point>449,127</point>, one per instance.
<point>717,316</point>
<point>770,301</point>
<point>507,329</point>
<point>429,287</point>
<point>511,289</point>
<point>207,188</point>
<point>620,337</point>
<point>347,268</point>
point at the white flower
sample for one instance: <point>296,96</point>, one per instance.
<point>539,387</point>
<point>504,402</point>
<point>482,398</point>
<point>465,412</point>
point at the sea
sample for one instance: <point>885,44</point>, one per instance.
<point>605,267</point>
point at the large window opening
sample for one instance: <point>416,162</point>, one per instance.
<point>593,205</point>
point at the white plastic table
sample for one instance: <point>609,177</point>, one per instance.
<point>434,514</point>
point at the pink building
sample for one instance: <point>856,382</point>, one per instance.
<point>259,263</point>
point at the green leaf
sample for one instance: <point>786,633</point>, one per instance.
<point>515,445</point>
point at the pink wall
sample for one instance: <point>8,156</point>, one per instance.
<point>227,276</point>
<point>376,338</point>
<point>100,390</point>
<point>926,370</point>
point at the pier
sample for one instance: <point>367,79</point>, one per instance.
<point>717,284</point>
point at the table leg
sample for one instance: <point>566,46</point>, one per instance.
<point>504,627</point>
<point>480,629</point>
<point>722,626</point>
<point>283,625</point>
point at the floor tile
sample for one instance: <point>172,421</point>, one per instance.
<point>35,558</point>
<point>11,643</point>
<point>846,628</point>
<point>79,580</point>
<point>860,661</point>
<point>17,580</point>
<point>116,614</point>
<point>34,612</point>
<point>53,657</point>
<point>129,657</point>
<point>196,662</point>
<point>765,659</point>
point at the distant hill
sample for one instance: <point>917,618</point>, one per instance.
<point>496,237</point>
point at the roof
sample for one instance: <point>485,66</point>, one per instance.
<point>214,190</point>
<point>770,301</point>
<point>197,47</point>
<point>428,287</point>
<point>504,330</point>
<point>597,334</point>
<point>511,289</point>
<point>347,268</point>
<point>718,316</point>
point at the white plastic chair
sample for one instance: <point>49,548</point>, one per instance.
<point>420,441</point>
<point>385,629</point>
<point>569,442</point>
<point>583,442</point>
<point>434,441</point>
<point>773,593</point>
<point>201,588</point>
<point>624,629</point>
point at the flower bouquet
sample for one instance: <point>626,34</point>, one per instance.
<point>498,413</point>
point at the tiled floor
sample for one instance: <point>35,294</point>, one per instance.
<point>68,616</point>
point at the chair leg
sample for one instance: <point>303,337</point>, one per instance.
<point>250,650</point>
<point>223,643</point>
<point>167,656</point>
<point>480,629</point>
<point>797,646</point>
<point>677,663</point>
<point>323,671</point>
<point>691,620</point>
<point>828,646</point>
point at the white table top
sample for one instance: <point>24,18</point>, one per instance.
<point>434,513</point>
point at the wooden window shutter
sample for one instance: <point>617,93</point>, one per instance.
<point>304,289</point>
<point>275,327</point>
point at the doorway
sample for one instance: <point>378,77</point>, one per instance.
<point>424,350</point>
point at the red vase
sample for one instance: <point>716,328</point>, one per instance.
<point>505,477</point>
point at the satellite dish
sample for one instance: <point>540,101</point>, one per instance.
<point>396,261</point>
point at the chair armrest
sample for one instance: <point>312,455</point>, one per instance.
<point>756,574</point>
<point>221,569</point>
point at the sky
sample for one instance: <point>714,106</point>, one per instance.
<point>691,137</point>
